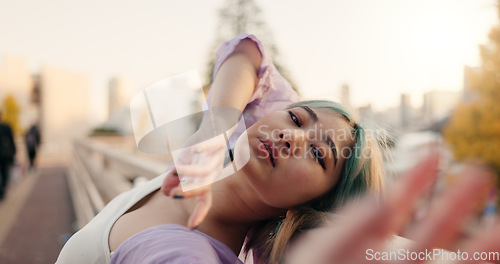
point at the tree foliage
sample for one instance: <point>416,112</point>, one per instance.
<point>474,129</point>
<point>10,113</point>
<point>243,16</point>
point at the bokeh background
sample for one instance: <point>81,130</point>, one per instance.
<point>424,72</point>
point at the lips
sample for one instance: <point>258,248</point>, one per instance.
<point>270,149</point>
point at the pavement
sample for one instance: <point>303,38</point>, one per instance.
<point>36,216</point>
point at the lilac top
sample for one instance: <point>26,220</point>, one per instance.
<point>182,246</point>
<point>176,244</point>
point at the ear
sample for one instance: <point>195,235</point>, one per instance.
<point>288,213</point>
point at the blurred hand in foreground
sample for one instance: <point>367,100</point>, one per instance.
<point>195,169</point>
<point>365,227</point>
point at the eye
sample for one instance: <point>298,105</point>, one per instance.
<point>317,155</point>
<point>294,118</point>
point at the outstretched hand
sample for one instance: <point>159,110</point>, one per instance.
<point>365,227</point>
<point>195,169</point>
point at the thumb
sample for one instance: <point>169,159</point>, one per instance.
<point>170,181</point>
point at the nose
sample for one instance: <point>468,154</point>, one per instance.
<point>293,140</point>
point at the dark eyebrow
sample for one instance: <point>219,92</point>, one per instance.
<point>313,115</point>
<point>328,139</point>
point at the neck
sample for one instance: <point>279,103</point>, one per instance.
<point>236,208</point>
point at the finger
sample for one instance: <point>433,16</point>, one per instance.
<point>391,214</point>
<point>446,218</point>
<point>413,185</point>
<point>191,155</point>
<point>486,247</point>
<point>366,225</point>
<point>179,192</point>
<point>197,151</point>
<point>325,245</point>
<point>170,181</point>
<point>381,221</point>
<point>203,204</point>
<point>201,170</point>
<point>212,145</point>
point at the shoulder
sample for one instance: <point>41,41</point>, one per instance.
<point>243,44</point>
<point>171,244</point>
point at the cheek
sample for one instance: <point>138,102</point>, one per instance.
<point>299,174</point>
<point>302,183</point>
<point>290,187</point>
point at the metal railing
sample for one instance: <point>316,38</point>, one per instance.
<point>99,172</point>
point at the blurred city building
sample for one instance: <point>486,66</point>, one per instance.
<point>391,117</point>
<point>468,94</point>
<point>345,97</point>
<point>436,109</point>
<point>117,97</point>
<point>57,99</point>
<point>171,98</point>
<point>64,107</point>
<point>118,121</point>
<point>438,105</point>
<point>365,113</point>
<point>405,110</point>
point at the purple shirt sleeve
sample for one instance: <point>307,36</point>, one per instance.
<point>173,244</point>
<point>228,48</point>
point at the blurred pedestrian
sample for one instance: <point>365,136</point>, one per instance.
<point>7,153</point>
<point>32,140</point>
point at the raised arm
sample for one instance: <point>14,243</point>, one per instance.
<point>233,86</point>
<point>237,79</point>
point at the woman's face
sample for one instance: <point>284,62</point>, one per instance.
<point>296,154</point>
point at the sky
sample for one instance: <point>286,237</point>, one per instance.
<point>380,48</point>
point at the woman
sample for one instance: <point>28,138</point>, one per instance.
<point>304,161</point>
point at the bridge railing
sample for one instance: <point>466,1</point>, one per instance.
<point>98,172</point>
